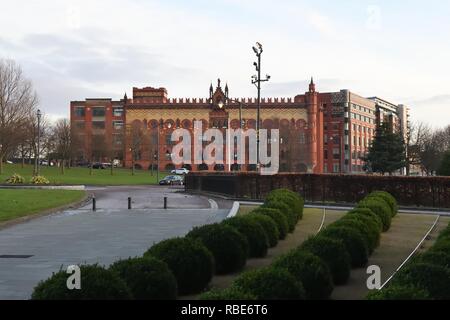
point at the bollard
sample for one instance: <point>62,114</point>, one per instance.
<point>165,202</point>
<point>129,203</point>
<point>94,204</point>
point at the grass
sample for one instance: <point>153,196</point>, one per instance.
<point>243,210</point>
<point>81,176</point>
<point>22,202</point>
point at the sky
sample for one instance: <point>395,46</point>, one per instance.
<point>71,50</point>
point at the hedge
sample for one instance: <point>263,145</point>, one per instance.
<point>364,226</point>
<point>353,241</point>
<point>310,270</point>
<point>270,284</point>
<point>279,218</point>
<point>292,199</point>
<point>440,258</point>
<point>442,244</point>
<point>228,246</point>
<point>333,253</point>
<point>399,292</point>
<point>389,199</point>
<point>148,278</point>
<point>255,234</point>
<point>190,261</point>
<point>286,210</point>
<point>366,212</point>
<point>231,293</point>
<point>380,208</point>
<point>269,226</point>
<point>97,283</point>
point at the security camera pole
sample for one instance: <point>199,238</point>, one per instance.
<point>256,80</point>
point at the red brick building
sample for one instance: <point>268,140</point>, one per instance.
<point>319,132</point>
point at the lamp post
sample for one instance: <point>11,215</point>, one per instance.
<point>38,142</point>
<point>256,80</point>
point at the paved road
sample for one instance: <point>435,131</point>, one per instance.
<point>112,232</point>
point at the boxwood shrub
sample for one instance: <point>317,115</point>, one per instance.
<point>291,198</point>
<point>380,208</point>
<point>333,253</point>
<point>440,258</point>
<point>389,199</point>
<point>258,242</point>
<point>269,226</point>
<point>279,218</point>
<point>432,278</point>
<point>148,278</point>
<point>366,228</point>
<point>310,270</point>
<point>231,293</point>
<point>190,261</point>
<point>270,284</point>
<point>353,241</point>
<point>366,212</point>
<point>97,283</point>
<point>228,246</point>
<point>445,234</point>
<point>399,292</point>
<point>286,210</point>
<point>441,245</point>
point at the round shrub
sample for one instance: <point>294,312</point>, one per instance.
<point>399,292</point>
<point>286,210</point>
<point>432,278</point>
<point>440,258</point>
<point>310,270</point>
<point>333,253</point>
<point>255,234</point>
<point>97,283</point>
<point>353,241</point>
<point>270,284</point>
<point>367,229</point>
<point>148,278</point>
<point>389,199</point>
<point>190,261</point>
<point>228,246</point>
<point>380,208</point>
<point>445,234</point>
<point>231,293</point>
<point>367,213</point>
<point>378,198</point>
<point>441,245</point>
<point>279,218</point>
<point>291,198</point>
<point>269,226</point>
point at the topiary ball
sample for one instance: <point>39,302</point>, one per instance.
<point>228,246</point>
<point>148,278</point>
<point>380,208</point>
<point>366,212</point>
<point>286,210</point>
<point>440,258</point>
<point>270,284</point>
<point>279,218</point>
<point>399,292</point>
<point>389,199</point>
<point>97,283</point>
<point>291,198</point>
<point>269,226</point>
<point>366,226</point>
<point>231,293</point>
<point>190,261</point>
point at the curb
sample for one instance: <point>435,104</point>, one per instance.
<point>234,210</point>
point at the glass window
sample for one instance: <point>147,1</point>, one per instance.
<point>98,124</point>
<point>336,168</point>
<point>98,111</point>
<point>79,111</point>
<point>117,111</point>
<point>117,125</point>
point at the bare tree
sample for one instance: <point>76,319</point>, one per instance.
<point>17,100</point>
<point>63,141</point>
<point>136,137</point>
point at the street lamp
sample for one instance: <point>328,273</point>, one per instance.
<point>38,142</point>
<point>256,80</point>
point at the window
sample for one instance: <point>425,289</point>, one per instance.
<point>169,141</point>
<point>325,168</point>
<point>325,139</point>
<point>98,124</point>
<point>336,168</point>
<point>98,111</point>
<point>117,125</point>
<point>117,111</point>
<point>117,139</point>
<point>79,111</point>
<point>325,154</point>
<point>79,124</point>
<point>336,153</point>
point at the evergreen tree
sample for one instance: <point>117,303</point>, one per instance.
<point>387,151</point>
<point>444,168</point>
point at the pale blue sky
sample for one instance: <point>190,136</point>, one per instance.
<point>398,50</point>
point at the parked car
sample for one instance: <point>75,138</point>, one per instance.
<point>172,180</point>
<point>98,165</point>
<point>9,162</point>
<point>180,171</point>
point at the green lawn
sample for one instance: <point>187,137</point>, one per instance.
<point>21,202</point>
<point>81,176</point>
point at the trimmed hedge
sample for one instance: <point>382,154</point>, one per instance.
<point>256,236</point>
<point>399,292</point>
<point>148,278</point>
<point>441,245</point>
<point>364,226</point>
<point>353,241</point>
<point>279,218</point>
<point>231,293</point>
<point>380,208</point>
<point>270,284</point>
<point>228,246</point>
<point>366,212</point>
<point>269,226</point>
<point>286,210</point>
<point>190,261</point>
<point>432,278</point>
<point>292,199</point>
<point>389,199</point>
<point>333,253</point>
<point>310,270</point>
<point>445,234</point>
<point>97,283</point>
<point>440,258</point>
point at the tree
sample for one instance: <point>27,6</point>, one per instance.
<point>444,168</point>
<point>387,151</point>
<point>17,100</point>
<point>136,137</point>
<point>63,141</point>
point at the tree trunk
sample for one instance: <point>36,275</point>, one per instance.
<point>1,164</point>
<point>62,167</point>
<point>132,167</point>
<point>90,168</point>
